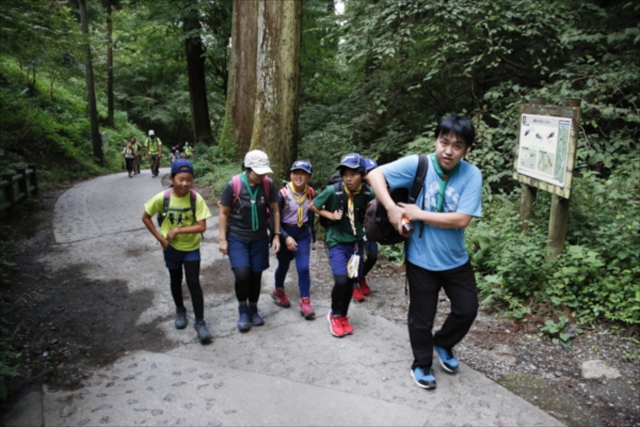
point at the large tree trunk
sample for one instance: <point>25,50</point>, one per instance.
<point>275,126</point>
<point>110,118</point>
<point>241,88</point>
<point>91,93</point>
<point>196,74</point>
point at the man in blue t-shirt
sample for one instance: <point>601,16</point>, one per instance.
<point>436,254</point>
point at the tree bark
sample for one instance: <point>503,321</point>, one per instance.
<point>241,86</point>
<point>196,73</point>
<point>275,127</point>
<point>110,107</point>
<point>91,94</point>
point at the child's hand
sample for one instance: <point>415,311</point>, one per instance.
<point>171,234</point>
<point>292,245</point>
<point>337,215</point>
<point>223,247</point>
<point>276,244</point>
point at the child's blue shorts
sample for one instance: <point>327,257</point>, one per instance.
<point>249,253</point>
<point>340,254</point>
<point>174,258</point>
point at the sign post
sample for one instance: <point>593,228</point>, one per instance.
<point>545,158</point>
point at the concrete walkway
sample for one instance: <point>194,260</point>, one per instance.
<point>288,372</point>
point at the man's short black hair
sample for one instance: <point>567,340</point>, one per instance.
<point>459,126</point>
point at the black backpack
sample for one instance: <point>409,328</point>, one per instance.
<point>377,227</point>
<point>338,185</point>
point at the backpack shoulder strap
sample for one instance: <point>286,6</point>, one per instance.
<point>285,198</point>
<point>266,184</point>
<point>236,184</point>
<point>339,189</point>
<point>167,198</point>
<point>311,193</point>
<point>421,175</point>
<point>193,203</point>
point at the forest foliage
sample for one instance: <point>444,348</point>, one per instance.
<point>376,79</point>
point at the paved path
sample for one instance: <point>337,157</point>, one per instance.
<point>288,372</point>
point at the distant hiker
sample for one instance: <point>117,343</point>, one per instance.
<point>344,204</point>
<point>128,154</point>
<point>175,153</point>
<point>153,149</point>
<point>138,154</point>
<point>186,150</point>
<point>184,214</point>
<point>370,251</point>
<point>297,232</point>
<point>436,255</point>
<point>248,213</point>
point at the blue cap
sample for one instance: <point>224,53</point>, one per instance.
<point>370,164</point>
<point>181,165</point>
<point>302,165</point>
<point>352,161</point>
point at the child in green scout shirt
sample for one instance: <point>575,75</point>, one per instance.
<point>179,236</point>
<point>344,204</point>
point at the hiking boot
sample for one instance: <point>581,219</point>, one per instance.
<point>364,287</point>
<point>348,329</point>
<point>335,325</point>
<point>243,318</point>
<point>254,317</point>
<point>280,298</point>
<point>203,333</point>
<point>357,295</point>
<point>448,360</point>
<point>424,377</point>
<point>306,310</point>
<point>181,318</point>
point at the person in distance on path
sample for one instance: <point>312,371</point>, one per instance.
<point>436,255</point>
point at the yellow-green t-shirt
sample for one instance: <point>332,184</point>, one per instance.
<point>153,145</point>
<point>179,214</point>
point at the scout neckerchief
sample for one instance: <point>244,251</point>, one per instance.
<point>253,194</point>
<point>299,201</point>
<point>444,179</point>
<point>351,212</point>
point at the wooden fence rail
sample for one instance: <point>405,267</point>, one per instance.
<point>27,181</point>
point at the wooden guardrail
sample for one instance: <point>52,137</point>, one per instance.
<point>27,181</point>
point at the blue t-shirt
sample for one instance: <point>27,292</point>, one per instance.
<point>439,248</point>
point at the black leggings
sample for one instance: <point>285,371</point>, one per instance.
<point>341,294</point>
<point>247,284</point>
<point>192,271</point>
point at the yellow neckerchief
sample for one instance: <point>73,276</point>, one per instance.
<point>299,201</point>
<point>351,212</point>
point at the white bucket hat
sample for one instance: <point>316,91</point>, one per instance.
<point>257,161</point>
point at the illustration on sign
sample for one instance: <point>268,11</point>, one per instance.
<point>544,147</point>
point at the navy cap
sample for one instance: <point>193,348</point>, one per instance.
<point>302,165</point>
<point>370,164</point>
<point>352,161</point>
<point>181,165</point>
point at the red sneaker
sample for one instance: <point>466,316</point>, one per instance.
<point>306,310</point>
<point>280,298</point>
<point>357,295</point>
<point>364,287</point>
<point>348,329</point>
<point>335,325</point>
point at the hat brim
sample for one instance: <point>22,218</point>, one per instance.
<point>262,171</point>
<point>300,169</point>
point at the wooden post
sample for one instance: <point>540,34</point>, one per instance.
<point>559,216</point>
<point>528,192</point>
<point>8,191</point>
<point>23,185</point>
<point>558,224</point>
<point>33,180</point>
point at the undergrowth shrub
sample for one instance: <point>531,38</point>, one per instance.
<point>596,278</point>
